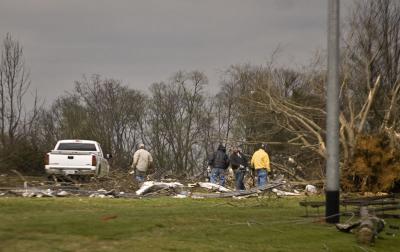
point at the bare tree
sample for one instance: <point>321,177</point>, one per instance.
<point>372,52</point>
<point>100,109</point>
<point>178,117</point>
<point>18,125</point>
<point>14,83</point>
<point>116,115</point>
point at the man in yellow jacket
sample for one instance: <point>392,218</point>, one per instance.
<point>260,162</point>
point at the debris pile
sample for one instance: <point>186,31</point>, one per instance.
<point>116,180</point>
<point>122,185</point>
<point>278,186</point>
<point>152,187</point>
<point>210,186</point>
<point>283,193</point>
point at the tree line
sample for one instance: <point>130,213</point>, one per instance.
<point>181,123</point>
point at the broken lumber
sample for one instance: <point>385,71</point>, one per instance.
<point>235,193</point>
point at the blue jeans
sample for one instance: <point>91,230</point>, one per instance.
<point>215,173</point>
<point>140,176</point>
<point>239,177</point>
<point>262,178</point>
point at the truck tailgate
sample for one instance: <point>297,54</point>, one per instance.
<point>70,159</point>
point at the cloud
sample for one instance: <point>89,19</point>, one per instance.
<point>141,42</point>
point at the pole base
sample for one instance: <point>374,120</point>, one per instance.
<point>332,213</point>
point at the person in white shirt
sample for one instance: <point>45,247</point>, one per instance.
<point>142,161</point>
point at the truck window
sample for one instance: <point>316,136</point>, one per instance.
<point>77,146</point>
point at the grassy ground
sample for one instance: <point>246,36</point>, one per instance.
<point>166,224</point>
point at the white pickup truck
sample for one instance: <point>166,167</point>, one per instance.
<point>77,157</point>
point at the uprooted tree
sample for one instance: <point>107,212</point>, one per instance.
<point>370,97</point>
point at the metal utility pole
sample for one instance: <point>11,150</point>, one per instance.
<point>332,121</point>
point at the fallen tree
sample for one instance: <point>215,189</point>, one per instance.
<point>366,229</point>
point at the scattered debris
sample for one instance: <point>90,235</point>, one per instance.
<point>151,186</point>
<point>210,186</point>
<point>102,193</point>
<point>63,194</point>
<point>34,192</point>
<point>122,185</point>
<point>253,191</point>
<point>291,160</point>
<point>283,193</point>
<point>180,196</point>
<point>347,227</point>
<point>197,196</point>
<point>245,196</point>
<point>147,189</point>
<point>96,195</point>
<point>310,190</point>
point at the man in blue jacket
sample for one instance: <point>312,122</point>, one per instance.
<point>219,162</point>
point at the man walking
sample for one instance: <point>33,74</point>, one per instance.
<point>219,162</point>
<point>260,162</point>
<point>142,161</point>
<point>238,164</point>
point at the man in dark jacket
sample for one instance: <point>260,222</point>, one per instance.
<point>219,162</point>
<point>238,164</point>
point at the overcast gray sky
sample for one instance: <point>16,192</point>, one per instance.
<point>144,41</point>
